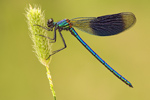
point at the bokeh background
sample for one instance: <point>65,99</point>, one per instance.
<point>76,74</point>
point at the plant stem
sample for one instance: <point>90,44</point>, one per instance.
<point>50,82</point>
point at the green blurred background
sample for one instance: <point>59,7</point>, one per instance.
<point>76,74</point>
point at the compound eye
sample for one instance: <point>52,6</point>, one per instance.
<point>50,22</point>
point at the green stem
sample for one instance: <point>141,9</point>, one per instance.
<point>50,82</point>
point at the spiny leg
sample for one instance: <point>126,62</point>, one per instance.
<point>48,29</point>
<point>63,43</point>
<point>54,38</point>
<point>45,37</point>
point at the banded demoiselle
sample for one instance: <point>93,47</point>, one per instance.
<point>101,26</point>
